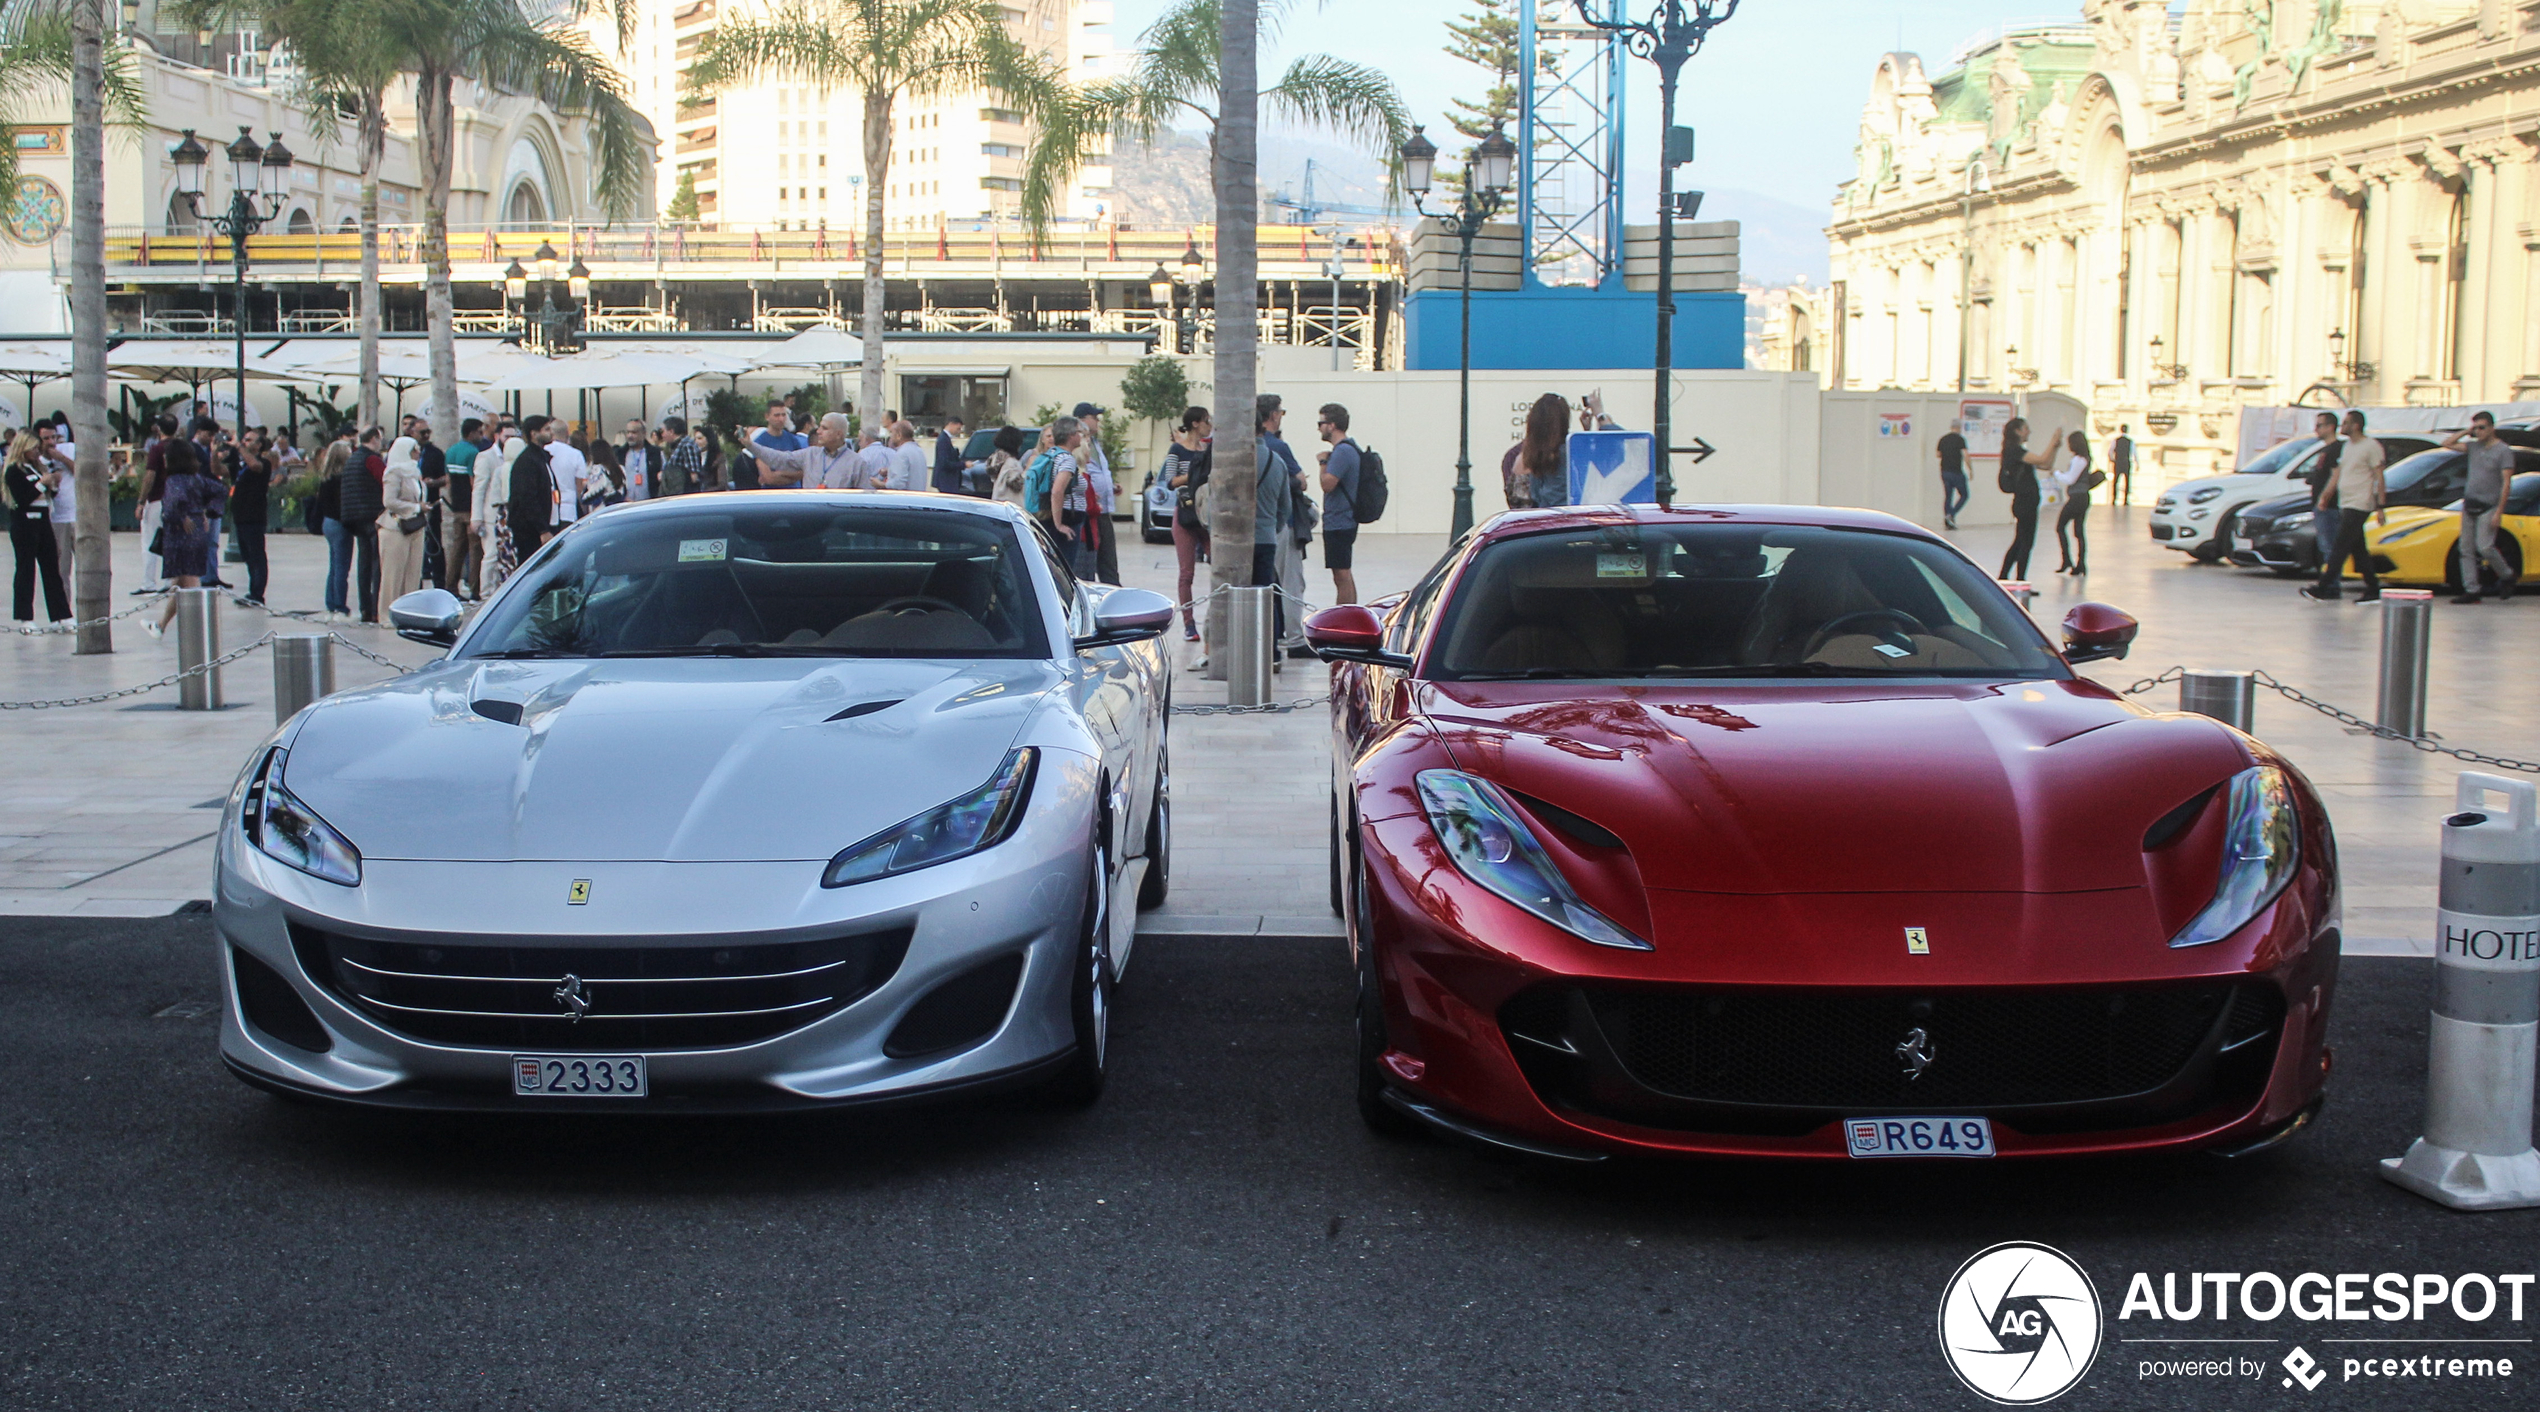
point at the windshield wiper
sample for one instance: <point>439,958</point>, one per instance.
<point>517,654</point>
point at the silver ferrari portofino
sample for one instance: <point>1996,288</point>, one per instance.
<point>724,802</point>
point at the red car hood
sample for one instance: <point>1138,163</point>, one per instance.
<point>2036,787</point>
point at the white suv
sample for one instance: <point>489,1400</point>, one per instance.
<point>2194,517</point>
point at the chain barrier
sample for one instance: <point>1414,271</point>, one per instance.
<point>52,629</point>
<point>360,651</point>
<point>170,680</point>
<point>1275,708</point>
<point>2352,722</point>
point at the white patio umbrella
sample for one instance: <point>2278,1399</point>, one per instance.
<point>192,361</point>
<point>33,363</point>
<point>815,348</point>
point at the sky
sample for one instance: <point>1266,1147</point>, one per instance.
<point>1774,97</point>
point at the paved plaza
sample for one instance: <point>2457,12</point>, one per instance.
<point>110,807</point>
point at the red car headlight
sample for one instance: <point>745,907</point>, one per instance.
<point>1490,843</point>
<point>2262,845</point>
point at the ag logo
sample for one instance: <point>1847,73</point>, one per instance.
<point>2019,1323</point>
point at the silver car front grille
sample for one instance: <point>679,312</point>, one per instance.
<point>517,992</point>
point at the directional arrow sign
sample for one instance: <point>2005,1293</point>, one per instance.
<point>1700,450</point>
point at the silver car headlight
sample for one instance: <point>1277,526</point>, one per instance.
<point>291,833</point>
<point>2262,845</point>
<point>1490,843</point>
<point>2208,493</point>
<point>981,819</point>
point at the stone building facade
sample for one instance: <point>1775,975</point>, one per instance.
<point>2173,216</point>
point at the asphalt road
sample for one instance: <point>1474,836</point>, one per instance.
<point>1219,1232</point>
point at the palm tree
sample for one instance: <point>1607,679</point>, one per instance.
<point>42,48</point>
<point>346,62</point>
<point>497,43</point>
<point>1176,77</point>
<point>884,50</point>
<point>1200,60</point>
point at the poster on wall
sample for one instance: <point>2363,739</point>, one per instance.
<point>1896,426</point>
<point>1613,468</point>
<point>1981,420</point>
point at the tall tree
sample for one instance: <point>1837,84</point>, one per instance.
<point>1235,162</point>
<point>884,51</point>
<point>345,60</point>
<point>1486,38</point>
<point>45,47</point>
<point>498,44</point>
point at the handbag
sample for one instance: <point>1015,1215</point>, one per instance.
<point>158,538</point>
<point>2092,479</point>
<point>410,524</point>
<point>2475,508</point>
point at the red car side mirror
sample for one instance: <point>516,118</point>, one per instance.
<point>1351,633</point>
<point>2095,630</point>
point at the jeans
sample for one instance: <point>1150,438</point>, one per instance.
<point>366,567</point>
<point>36,551</point>
<point>2350,545</point>
<point>2023,540</point>
<point>251,551</point>
<point>2324,531</point>
<point>1265,574</point>
<point>211,571</point>
<point>2478,545</point>
<point>339,563</point>
<point>1953,493</point>
<point>2076,513</point>
<point>462,553</point>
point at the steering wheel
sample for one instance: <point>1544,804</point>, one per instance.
<point>918,600</point>
<point>1825,634</point>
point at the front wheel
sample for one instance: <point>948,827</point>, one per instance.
<point>1159,875</point>
<point>1089,996</point>
<point>1381,1118</point>
<point>2213,550</point>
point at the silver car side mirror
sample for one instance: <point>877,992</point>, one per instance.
<point>428,615</point>
<point>1127,615</point>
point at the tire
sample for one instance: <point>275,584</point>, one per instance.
<point>1335,849</point>
<point>1080,1083</point>
<point>2213,549</point>
<point>2507,548</point>
<point>1368,1017</point>
<point>1158,881</point>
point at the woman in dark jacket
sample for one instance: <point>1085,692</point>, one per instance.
<point>185,524</point>
<point>2019,476</point>
<point>251,480</point>
<point>32,482</point>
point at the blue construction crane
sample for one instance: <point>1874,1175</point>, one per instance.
<point>1570,148</point>
<point>1304,210</point>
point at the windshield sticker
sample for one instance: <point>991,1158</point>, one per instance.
<point>1622,566</point>
<point>1890,649</point>
<point>702,551</point>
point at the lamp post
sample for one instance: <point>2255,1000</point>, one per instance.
<point>551,330</point>
<point>1336,267</point>
<point>1667,38</point>
<point>1485,183</point>
<point>1978,179</point>
<point>259,181</point>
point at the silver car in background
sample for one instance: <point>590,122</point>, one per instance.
<point>724,803</point>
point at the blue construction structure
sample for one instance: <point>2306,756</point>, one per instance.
<point>1570,309</point>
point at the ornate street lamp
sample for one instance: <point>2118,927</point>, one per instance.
<point>259,182</point>
<point>1667,38</point>
<point>1485,183</point>
<point>1160,294</point>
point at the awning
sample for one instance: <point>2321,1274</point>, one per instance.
<point>193,361</point>
<point>597,370</point>
<point>815,348</point>
<point>975,370</point>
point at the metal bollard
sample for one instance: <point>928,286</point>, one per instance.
<point>197,642</point>
<point>303,671</point>
<point>2228,697</point>
<point>2407,620</point>
<point>2476,1154</point>
<point>1249,643</point>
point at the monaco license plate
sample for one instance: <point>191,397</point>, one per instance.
<point>1918,1137</point>
<point>578,1075</point>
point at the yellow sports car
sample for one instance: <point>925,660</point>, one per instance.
<point>2420,548</point>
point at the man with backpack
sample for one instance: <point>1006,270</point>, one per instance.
<point>1341,477</point>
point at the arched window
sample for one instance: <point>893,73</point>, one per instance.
<point>301,223</point>
<point>181,216</point>
<point>525,207</point>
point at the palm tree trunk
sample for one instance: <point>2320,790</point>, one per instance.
<point>877,170</point>
<point>435,138</point>
<point>374,144</point>
<point>92,588</point>
<point>1238,298</point>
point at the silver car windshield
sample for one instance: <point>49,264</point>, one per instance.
<point>778,579</point>
<point>1730,600</point>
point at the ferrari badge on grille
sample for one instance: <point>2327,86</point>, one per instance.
<point>1916,943</point>
<point>579,893</point>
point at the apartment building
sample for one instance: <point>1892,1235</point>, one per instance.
<point>789,156</point>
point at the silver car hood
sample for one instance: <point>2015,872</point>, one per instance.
<point>656,760</point>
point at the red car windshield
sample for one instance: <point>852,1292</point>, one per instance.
<point>1731,600</point>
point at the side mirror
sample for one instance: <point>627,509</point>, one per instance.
<point>1351,633</point>
<point>1127,615</point>
<point>2095,630</point>
<point>428,615</point>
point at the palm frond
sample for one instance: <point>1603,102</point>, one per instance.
<point>561,66</point>
<point>36,61</point>
<point>1352,100</point>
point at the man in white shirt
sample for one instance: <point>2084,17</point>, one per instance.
<point>2358,491</point>
<point>909,464</point>
<point>62,452</point>
<point>875,452</point>
<point>826,464</point>
<point>568,469</point>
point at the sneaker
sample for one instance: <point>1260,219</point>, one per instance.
<point>2372,596</point>
<point>2467,598</point>
<point>1948,524</point>
<point>2312,592</point>
<point>154,629</point>
<point>1190,634</point>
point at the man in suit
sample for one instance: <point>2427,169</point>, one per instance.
<point>948,462</point>
<point>530,507</point>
